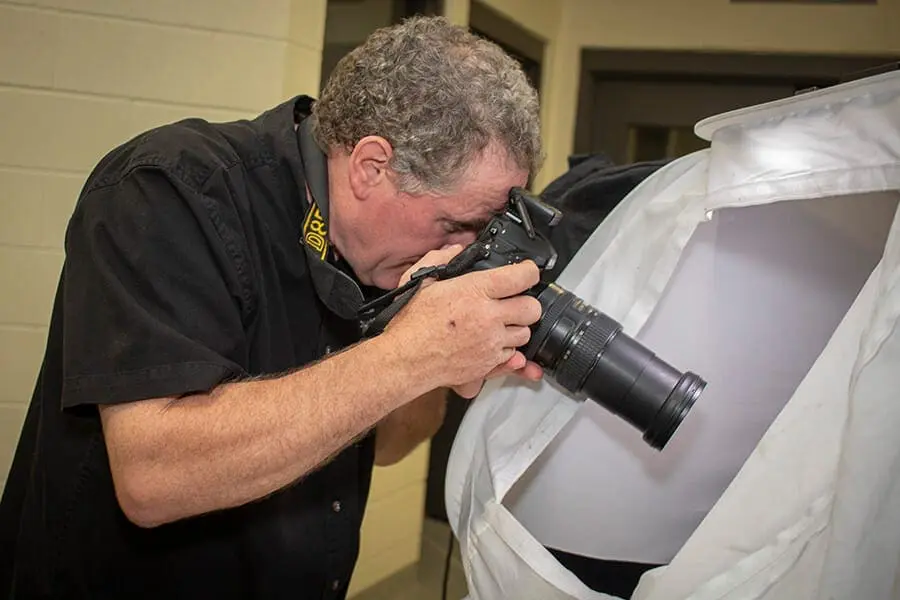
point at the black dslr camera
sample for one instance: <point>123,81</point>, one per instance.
<point>583,349</point>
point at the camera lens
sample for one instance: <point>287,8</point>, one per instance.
<point>587,353</point>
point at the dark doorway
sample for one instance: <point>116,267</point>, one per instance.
<point>642,105</point>
<point>636,120</point>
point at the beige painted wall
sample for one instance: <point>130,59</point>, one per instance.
<point>567,26</point>
<point>749,26</point>
<point>80,76</point>
<point>704,25</point>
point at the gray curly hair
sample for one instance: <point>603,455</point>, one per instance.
<point>439,94</point>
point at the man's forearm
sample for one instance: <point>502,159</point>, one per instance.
<point>404,429</point>
<point>173,459</point>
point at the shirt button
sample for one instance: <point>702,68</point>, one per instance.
<point>336,506</point>
<point>327,349</point>
<point>335,584</point>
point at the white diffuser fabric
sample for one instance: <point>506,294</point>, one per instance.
<point>770,265</point>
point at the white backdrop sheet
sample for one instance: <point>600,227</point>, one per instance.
<point>784,481</point>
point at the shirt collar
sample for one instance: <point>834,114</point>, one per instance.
<point>337,289</point>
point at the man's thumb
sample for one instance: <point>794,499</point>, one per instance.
<point>512,280</point>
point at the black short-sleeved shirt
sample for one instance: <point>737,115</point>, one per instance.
<point>183,270</point>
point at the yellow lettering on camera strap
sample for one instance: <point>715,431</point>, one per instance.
<point>315,231</point>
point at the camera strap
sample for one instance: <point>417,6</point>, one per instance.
<point>377,313</point>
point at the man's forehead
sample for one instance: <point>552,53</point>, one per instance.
<point>480,206</point>
<point>492,190</point>
<point>484,189</point>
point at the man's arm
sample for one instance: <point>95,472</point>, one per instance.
<point>401,432</point>
<point>172,459</point>
<point>175,458</point>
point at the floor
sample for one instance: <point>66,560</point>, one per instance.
<point>424,581</point>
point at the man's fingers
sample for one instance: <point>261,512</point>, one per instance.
<point>437,257</point>
<point>516,361</point>
<point>517,365</point>
<point>432,259</point>
<point>442,255</point>
<point>520,310</point>
<point>510,280</point>
<point>516,336</point>
<point>508,354</point>
<point>531,371</point>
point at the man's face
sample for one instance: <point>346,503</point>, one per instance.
<point>394,229</point>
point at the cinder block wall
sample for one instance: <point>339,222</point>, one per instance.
<point>78,77</point>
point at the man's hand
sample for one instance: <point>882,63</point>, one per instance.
<point>482,314</point>
<point>403,430</point>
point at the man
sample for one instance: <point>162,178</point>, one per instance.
<point>206,417</point>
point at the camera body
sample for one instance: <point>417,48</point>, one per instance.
<point>512,237</point>
<point>583,349</point>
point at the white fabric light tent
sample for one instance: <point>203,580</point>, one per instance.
<point>770,265</point>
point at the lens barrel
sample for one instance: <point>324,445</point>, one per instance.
<point>590,356</point>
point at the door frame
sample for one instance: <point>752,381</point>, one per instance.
<point>802,70</point>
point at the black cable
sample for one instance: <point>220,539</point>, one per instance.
<point>447,566</point>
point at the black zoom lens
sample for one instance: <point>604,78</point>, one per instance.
<point>587,353</point>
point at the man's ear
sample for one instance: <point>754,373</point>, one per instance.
<point>369,165</point>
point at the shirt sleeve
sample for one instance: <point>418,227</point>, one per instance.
<point>153,304</point>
